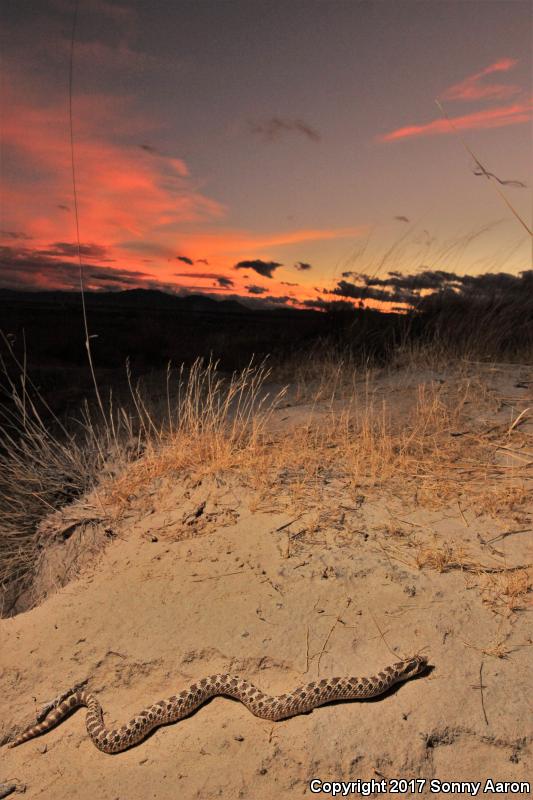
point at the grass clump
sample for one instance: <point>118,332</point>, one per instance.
<point>205,420</point>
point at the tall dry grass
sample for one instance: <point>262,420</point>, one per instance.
<point>426,442</point>
<point>213,423</point>
<point>203,418</point>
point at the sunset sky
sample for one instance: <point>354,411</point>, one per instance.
<point>262,149</point>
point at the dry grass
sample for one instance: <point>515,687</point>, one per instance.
<point>503,588</point>
<point>214,424</point>
<point>426,443</point>
<point>42,467</point>
<point>443,558</point>
<point>205,422</point>
<point>507,592</point>
<point>410,434</point>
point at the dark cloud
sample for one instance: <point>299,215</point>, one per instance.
<point>428,279</point>
<point>356,292</point>
<point>15,235</point>
<point>288,283</point>
<point>399,288</point>
<point>185,260</point>
<point>264,268</point>
<point>61,249</point>
<point>271,129</point>
<point>25,268</point>
<point>349,274</point>
<point>149,149</point>
<point>401,218</point>
<point>226,283</point>
<point>498,284</point>
<point>202,261</point>
<point>221,279</point>
<point>256,289</point>
<point>302,265</point>
<point>62,207</point>
<point>113,277</point>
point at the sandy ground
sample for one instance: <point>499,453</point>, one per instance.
<point>282,599</point>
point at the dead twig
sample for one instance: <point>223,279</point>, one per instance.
<point>462,514</point>
<point>328,637</point>
<point>405,521</point>
<point>214,577</point>
<point>374,620</point>
<point>481,686</point>
<point>490,570</point>
<point>505,534</point>
<point>519,419</point>
<point>286,525</point>
<point>511,450</point>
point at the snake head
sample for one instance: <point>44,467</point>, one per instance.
<point>412,666</point>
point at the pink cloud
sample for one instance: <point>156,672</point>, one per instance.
<point>124,192</point>
<point>489,118</point>
<point>471,88</point>
<point>243,243</point>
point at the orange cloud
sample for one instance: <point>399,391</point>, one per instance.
<point>244,244</point>
<point>124,191</point>
<point>489,118</point>
<point>471,88</point>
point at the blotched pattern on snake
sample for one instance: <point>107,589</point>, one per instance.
<point>299,701</point>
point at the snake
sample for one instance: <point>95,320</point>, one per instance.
<point>300,701</point>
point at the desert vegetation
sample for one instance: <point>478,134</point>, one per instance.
<point>396,404</point>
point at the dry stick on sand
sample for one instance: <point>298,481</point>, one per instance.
<point>505,534</point>
<point>214,577</point>
<point>481,686</point>
<point>482,568</point>
<point>328,637</point>
<point>518,421</point>
<point>405,521</point>
<point>286,525</point>
<point>389,648</point>
<point>462,514</point>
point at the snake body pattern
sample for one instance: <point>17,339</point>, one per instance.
<point>299,701</point>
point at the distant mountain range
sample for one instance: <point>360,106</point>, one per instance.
<point>130,298</point>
